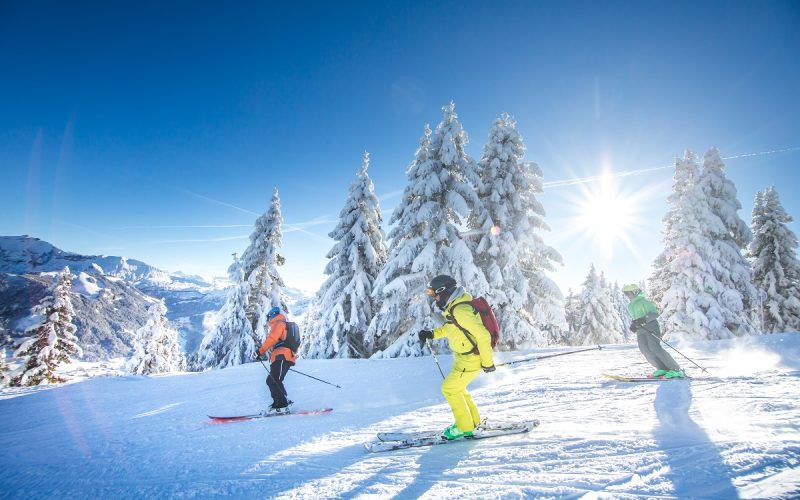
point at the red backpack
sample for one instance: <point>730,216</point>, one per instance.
<point>483,308</point>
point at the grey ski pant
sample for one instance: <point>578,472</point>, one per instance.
<point>650,346</point>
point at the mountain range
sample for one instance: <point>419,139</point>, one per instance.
<point>111,295</point>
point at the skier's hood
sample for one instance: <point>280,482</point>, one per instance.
<point>457,294</point>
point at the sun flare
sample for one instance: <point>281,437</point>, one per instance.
<point>606,215</point>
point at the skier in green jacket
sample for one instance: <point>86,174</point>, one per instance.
<point>648,334</point>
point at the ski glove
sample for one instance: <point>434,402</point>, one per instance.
<point>425,335</point>
<point>256,355</point>
<point>636,324</point>
<point>488,369</point>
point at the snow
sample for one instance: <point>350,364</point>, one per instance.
<point>136,436</point>
<point>87,285</point>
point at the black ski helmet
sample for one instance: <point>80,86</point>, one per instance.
<point>440,288</point>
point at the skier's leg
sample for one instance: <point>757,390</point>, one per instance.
<point>285,366</point>
<point>645,341</point>
<point>454,391</point>
<point>274,381</point>
<point>664,359</point>
<point>473,409</point>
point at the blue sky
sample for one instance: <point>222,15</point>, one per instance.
<point>158,130</point>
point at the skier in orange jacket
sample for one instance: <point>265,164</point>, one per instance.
<point>281,359</point>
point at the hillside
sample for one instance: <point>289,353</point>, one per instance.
<point>115,303</point>
<point>731,433</point>
<point>111,295</point>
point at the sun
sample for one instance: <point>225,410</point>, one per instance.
<point>605,214</point>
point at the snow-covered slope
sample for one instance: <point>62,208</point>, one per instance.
<point>734,433</point>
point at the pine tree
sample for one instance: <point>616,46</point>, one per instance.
<point>426,240</point>
<point>260,263</point>
<point>53,338</point>
<point>730,236</point>
<point>156,345</point>
<point>232,341</point>
<point>683,281</point>
<point>685,179</point>
<point>776,270</point>
<point>3,367</point>
<point>346,305</point>
<point>506,243</point>
<point>4,378</point>
<point>621,306</point>
<point>599,321</point>
<point>573,314</point>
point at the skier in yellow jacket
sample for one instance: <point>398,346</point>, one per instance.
<point>471,354</point>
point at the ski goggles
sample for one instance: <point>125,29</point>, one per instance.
<point>433,293</point>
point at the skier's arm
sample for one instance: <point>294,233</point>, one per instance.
<point>276,334</point>
<point>441,332</point>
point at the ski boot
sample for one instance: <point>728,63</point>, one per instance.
<point>675,374</point>
<point>658,374</point>
<point>277,410</point>
<point>453,432</point>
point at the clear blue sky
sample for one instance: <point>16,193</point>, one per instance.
<point>157,130</point>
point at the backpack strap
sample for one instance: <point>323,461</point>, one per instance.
<point>452,318</point>
<point>285,334</point>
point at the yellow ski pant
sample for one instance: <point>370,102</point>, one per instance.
<point>454,389</point>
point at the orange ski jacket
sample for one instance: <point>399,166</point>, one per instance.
<point>277,333</point>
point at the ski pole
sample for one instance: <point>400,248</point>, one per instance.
<point>536,358</point>
<point>301,373</point>
<point>679,352</point>
<point>315,378</point>
<point>269,374</point>
<point>428,342</point>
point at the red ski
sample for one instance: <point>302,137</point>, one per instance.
<point>239,418</point>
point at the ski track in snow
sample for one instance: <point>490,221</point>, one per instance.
<point>134,437</point>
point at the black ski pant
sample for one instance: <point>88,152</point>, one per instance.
<point>649,339</point>
<point>277,372</point>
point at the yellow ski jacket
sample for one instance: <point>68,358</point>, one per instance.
<point>470,320</point>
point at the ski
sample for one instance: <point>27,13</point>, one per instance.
<point>240,418</point>
<point>405,436</point>
<point>620,378</point>
<point>436,439</point>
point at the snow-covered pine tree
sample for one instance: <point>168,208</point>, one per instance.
<point>730,238</point>
<point>621,306</point>
<point>156,346</point>
<point>232,341</point>
<point>260,262</point>
<point>3,367</point>
<point>599,322</point>
<point>776,269</point>
<point>683,276</point>
<point>572,314</point>
<point>506,244</point>
<point>685,178</point>
<point>346,305</point>
<point>4,379</point>
<point>53,338</point>
<point>426,239</point>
